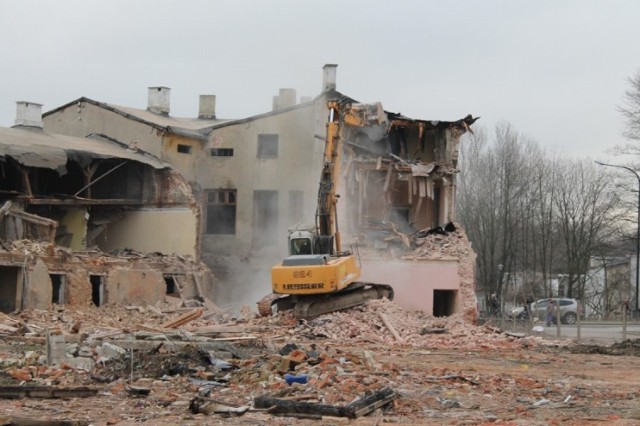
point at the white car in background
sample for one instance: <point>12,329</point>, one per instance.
<point>569,309</point>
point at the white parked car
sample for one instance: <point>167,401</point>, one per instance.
<point>569,309</point>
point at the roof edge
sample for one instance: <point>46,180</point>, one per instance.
<point>330,93</point>
<point>108,108</point>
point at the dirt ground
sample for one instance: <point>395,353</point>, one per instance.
<point>440,370</point>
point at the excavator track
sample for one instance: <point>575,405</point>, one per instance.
<point>312,306</point>
<point>265,305</point>
<point>282,303</point>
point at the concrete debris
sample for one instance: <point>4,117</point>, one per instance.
<point>16,392</point>
<point>449,242</point>
<point>366,324</point>
<point>303,409</point>
<point>340,365</point>
<point>183,319</point>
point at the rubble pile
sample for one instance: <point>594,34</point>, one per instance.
<point>379,322</point>
<point>71,346</point>
<point>443,244</point>
<point>91,321</point>
<point>96,256</point>
<point>32,247</point>
<point>185,356</point>
<point>169,364</point>
<point>449,242</point>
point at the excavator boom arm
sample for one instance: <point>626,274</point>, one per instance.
<point>326,218</point>
<point>326,279</point>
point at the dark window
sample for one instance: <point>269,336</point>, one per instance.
<point>57,288</point>
<point>267,146</point>
<point>296,210</point>
<point>171,287</point>
<point>9,287</point>
<point>265,217</point>
<point>221,152</point>
<point>444,303</point>
<point>184,149</point>
<point>97,289</point>
<point>221,211</point>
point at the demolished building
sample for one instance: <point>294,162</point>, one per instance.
<point>255,177</point>
<point>252,177</point>
<point>399,198</point>
<point>66,202</point>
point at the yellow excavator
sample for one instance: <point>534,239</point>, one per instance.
<point>318,276</point>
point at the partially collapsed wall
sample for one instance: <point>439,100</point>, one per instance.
<point>76,216</point>
<point>36,274</point>
<point>399,176</point>
<point>430,271</point>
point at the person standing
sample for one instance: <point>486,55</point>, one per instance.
<point>551,310</point>
<point>495,305</point>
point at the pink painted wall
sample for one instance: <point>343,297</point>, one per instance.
<point>413,282</point>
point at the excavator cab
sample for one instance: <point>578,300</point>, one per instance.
<point>307,241</point>
<point>300,246</point>
<point>301,240</point>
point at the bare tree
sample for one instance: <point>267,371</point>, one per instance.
<point>585,207</point>
<point>631,109</point>
<point>492,184</point>
<point>543,191</point>
<point>477,199</point>
<point>531,216</point>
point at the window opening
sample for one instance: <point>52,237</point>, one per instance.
<point>9,276</point>
<point>184,149</point>
<point>57,288</point>
<point>267,146</point>
<point>221,211</point>
<point>97,289</point>
<point>171,285</point>
<point>221,152</point>
<point>265,217</point>
<point>444,303</point>
<point>296,208</point>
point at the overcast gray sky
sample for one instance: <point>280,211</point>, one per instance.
<point>556,70</point>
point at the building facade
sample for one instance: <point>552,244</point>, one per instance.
<point>67,202</point>
<point>253,178</point>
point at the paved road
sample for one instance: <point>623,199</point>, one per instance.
<point>600,332</point>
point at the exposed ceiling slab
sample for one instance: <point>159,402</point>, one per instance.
<point>36,148</point>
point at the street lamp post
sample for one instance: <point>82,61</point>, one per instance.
<point>637,231</point>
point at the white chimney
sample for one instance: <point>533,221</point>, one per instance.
<point>159,100</point>
<point>28,114</point>
<point>329,77</point>
<point>207,108</point>
<point>287,98</point>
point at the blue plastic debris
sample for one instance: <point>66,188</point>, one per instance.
<point>290,378</point>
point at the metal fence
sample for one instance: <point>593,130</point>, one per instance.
<point>584,331</point>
